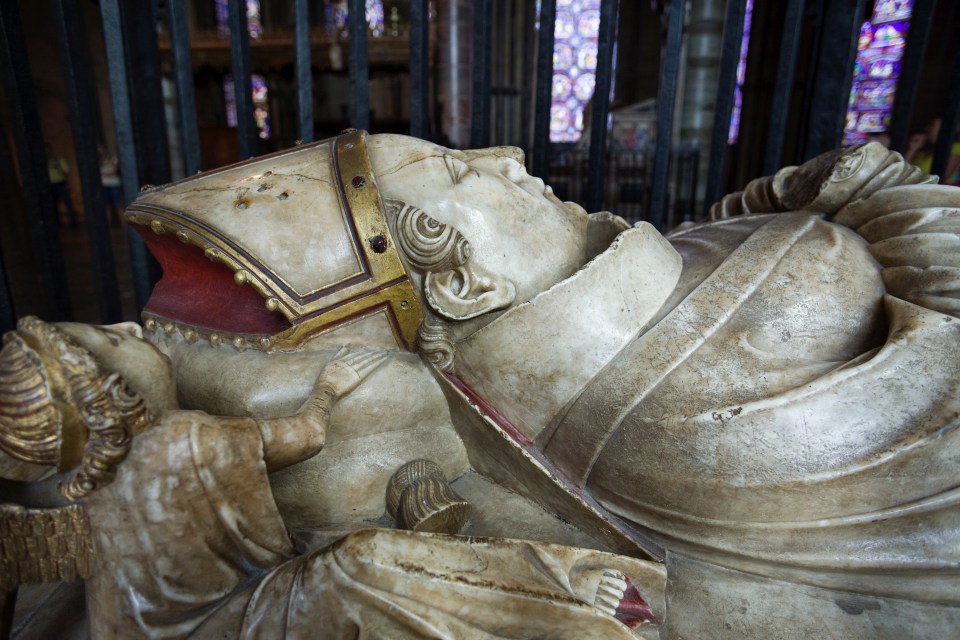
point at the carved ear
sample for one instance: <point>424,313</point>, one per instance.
<point>467,291</point>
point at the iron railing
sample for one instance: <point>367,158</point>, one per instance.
<point>130,37</point>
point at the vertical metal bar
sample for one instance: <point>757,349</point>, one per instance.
<point>729,57</point>
<point>666,101</point>
<point>419,64</point>
<point>139,25</point>
<point>126,150</point>
<point>601,103</point>
<point>83,113</point>
<point>7,316</point>
<point>480,116</point>
<point>304,77</point>
<point>833,74</point>
<point>183,73</point>
<point>240,58</point>
<point>786,72</point>
<point>942,150</point>
<point>24,120</point>
<point>909,82</point>
<point>541,126</point>
<point>359,66</point>
<point>8,603</point>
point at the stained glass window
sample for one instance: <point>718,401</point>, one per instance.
<point>222,13</point>
<point>576,37</point>
<point>337,15</point>
<point>734,131</point>
<point>879,51</point>
<point>261,105</point>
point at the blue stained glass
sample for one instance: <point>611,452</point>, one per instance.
<point>888,35</point>
<point>734,131</point>
<point>562,86</point>
<point>261,106</point>
<point>583,88</point>
<point>562,56</point>
<point>880,50</point>
<point>576,33</point>
<point>889,10</point>
<point>338,16</point>
<point>866,36</point>
<point>588,22</point>
<point>565,25</point>
<point>221,12</point>
<point>587,56</point>
<point>374,11</point>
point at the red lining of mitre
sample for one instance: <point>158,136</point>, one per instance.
<point>199,292</point>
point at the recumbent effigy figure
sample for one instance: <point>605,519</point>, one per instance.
<point>766,403</point>
<point>183,536</point>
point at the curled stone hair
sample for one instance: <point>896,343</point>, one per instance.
<point>58,406</point>
<point>429,246</point>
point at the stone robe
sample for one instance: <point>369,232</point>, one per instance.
<point>189,543</point>
<point>791,408</point>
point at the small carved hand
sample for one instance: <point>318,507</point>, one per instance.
<point>347,370</point>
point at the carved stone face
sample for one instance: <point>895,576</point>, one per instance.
<point>121,348</point>
<point>517,229</point>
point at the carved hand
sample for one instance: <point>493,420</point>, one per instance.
<point>346,372</point>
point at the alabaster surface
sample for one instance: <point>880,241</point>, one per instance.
<point>744,429</point>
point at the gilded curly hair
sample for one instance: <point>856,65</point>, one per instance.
<point>59,407</point>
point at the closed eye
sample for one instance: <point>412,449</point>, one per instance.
<point>458,169</point>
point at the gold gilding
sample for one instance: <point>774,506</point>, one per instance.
<point>381,285</point>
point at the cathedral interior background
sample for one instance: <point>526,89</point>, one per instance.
<point>739,88</point>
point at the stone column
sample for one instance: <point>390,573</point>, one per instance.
<point>701,74</point>
<point>454,69</point>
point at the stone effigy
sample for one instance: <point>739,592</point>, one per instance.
<point>765,404</point>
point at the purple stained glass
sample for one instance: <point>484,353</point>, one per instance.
<point>587,56</point>
<point>880,50</point>
<point>565,26</point>
<point>576,34</point>
<point>562,56</point>
<point>374,11</point>
<point>261,106</point>
<point>562,87</point>
<point>588,22</point>
<point>338,16</point>
<point>884,67</point>
<point>889,10</point>
<point>866,36</point>
<point>221,13</point>
<point>889,35</point>
<point>877,95</point>
<point>230,100</point>
<point>872,122</point>
<point>734,131</point>
<point>583,88</point>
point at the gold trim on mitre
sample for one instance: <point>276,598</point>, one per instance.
<point>380,284</point>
